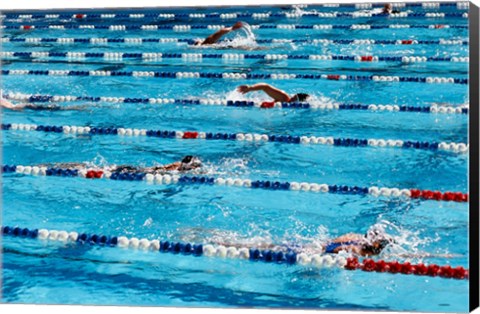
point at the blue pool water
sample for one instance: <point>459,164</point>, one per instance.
<point>47,272</point>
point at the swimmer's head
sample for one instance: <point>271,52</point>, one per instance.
<point>375,247</point>
<point>237,25</point>
<point>376,240</point>
<point>387,8</point>
<point>300,97</point>
<point>197,42</point>
<point>189,163</point>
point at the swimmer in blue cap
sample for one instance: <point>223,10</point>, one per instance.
<point>215,37</point>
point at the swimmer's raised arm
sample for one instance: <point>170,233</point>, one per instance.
<point>215,37</point>
<point>275,93</point>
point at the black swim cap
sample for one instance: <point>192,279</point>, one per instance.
<point>301,96</point>
<point>187,159</point>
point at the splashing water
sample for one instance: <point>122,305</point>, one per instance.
<point>406,243</point>
<point>244,38</point>
<point>299,9</point>
<point>307,239</point>
<point>98,161</point>
<point>321,100</point>
<point>233,167</point>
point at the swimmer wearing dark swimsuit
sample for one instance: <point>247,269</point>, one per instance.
<point>333,246</point>
<point>361,247</point>
<point>51,107</point>
<point>371,243</point>
<point>278,95</point>
<point>186,164</point>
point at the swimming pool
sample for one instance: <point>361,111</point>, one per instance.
<point>149,79</point>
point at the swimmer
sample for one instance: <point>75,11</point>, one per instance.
<point>187,163</point>
<point>278,95</point>
<point>215,37</point>
<point>387,9</point>
<point>374,242</point>
<point>370,244</point>
<point>50,107</point>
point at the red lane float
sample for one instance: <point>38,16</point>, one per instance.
<point>367,58</point>
<point>333,77</point>
<point>267,104</point>
<point>190,135</point>
<point>369,265</point>
<point>92,174</point>
<point>407,42</point>
<point>439,196</point>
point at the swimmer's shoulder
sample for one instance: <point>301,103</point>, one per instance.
<point>348,237</point>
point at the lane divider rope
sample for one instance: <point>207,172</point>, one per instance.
<point>240,76</point>
<point>461,109</point>
<point>459,5</point>
<point>198,57</point>
<point>228,16</point>
<point>188,28</point>
<point>231,252</point>
<point>165,40</point>
<point>166,179</point>
<point>248,137</point>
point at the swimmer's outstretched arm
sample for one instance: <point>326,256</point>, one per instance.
<point>50,107</point>
<point>55,107</point>
<point>74,108</point>
<point>275,93</point>
<point>170,167</point>
<point>215,37</point>
<point>66,165</point>
<point>8,105</point>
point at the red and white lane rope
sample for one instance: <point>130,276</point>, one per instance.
<point>182,249</point>
<point>165,179</point>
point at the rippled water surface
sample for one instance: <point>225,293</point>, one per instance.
<point>44,272</point>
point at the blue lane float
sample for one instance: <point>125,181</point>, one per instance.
<point>165,246</point>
